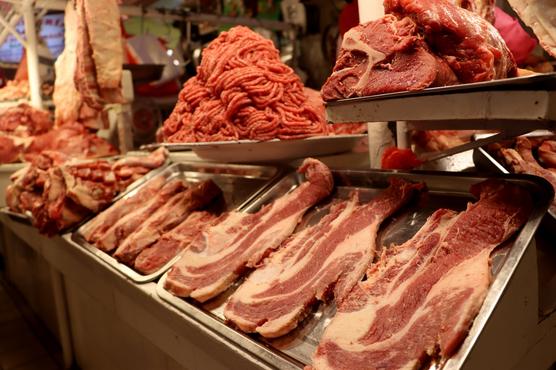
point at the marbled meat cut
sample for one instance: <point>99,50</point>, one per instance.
<point>333,253</point>
<point>522,160</point>
<point>104,221</point>
<point>130,222</point>
<point>421,297</point>
<point>383,56</point>
<point>170,215</point>
<point>470,45</point>
<point>218,256</point>
<point>172,243</point>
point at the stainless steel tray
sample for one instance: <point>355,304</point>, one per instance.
<point>25,218</point>
<point>445,191</point>
<point>542,81</point>
<point>486,162</point>
<point>249,151</point>
<point>239,184</point>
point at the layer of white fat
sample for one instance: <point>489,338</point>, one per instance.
<point>347,327</point>
<point>275,271</point>
<point>353,42</point>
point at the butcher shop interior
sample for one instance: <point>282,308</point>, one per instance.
<point>277,184</point>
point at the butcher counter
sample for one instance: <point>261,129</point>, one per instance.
<point>103,320</point>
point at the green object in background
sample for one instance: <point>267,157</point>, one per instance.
<point>139,26</point>
<point>268,9</point>
<point>234,8</point>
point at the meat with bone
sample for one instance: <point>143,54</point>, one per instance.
<point>547,153</point>
<point>90,184</point>
<point>540,15</point>
<point>218,256</point>
<point>61,193</point>
<point>167,217</point>
<point>521,160</point>
<point>126,225</point>
<point>421,297</point>
<point>333,253</point>
<point>57,212</point>
<point>470,45</point>
<point>386,55</point>
<point>172,243</point>
<point>104,221</point>
<point>24,121</point>
<point>129,169</point>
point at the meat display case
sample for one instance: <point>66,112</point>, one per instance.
<point>294,350</point>
<point>509,332</point>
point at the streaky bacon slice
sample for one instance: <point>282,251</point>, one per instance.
<point>104,221</point>
<point>422,296</point>
<point>333,253</point>
<point>130,222</point>
<point>166,218</point>
<point>171,244</point>
<point>217,257</point>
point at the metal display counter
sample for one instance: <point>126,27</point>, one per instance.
<point>104,320</point>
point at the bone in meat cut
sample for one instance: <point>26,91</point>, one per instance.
<point>130,222</point>
<point>423,295</point>
<point>66,97</point>
<point>470,45</point>
<point>166,218</point>
<point>171,244</point>
<point>540,15</point>
<point>100,224</point>
<point>383,56</point>
<point>335,252</point>
<point>218,256</point>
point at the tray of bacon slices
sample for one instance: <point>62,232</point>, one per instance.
<point>326,267</point>
<point>142,233</point>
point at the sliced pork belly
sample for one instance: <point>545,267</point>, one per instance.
<point>217,257</point>
<point>129,223</point>
<point>164,219</point>
<point>422,296</point>
<point>171,244</point>
<point>333,253</point>
<point>100,224</point>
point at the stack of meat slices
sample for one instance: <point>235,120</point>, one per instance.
<point>148,229</point>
